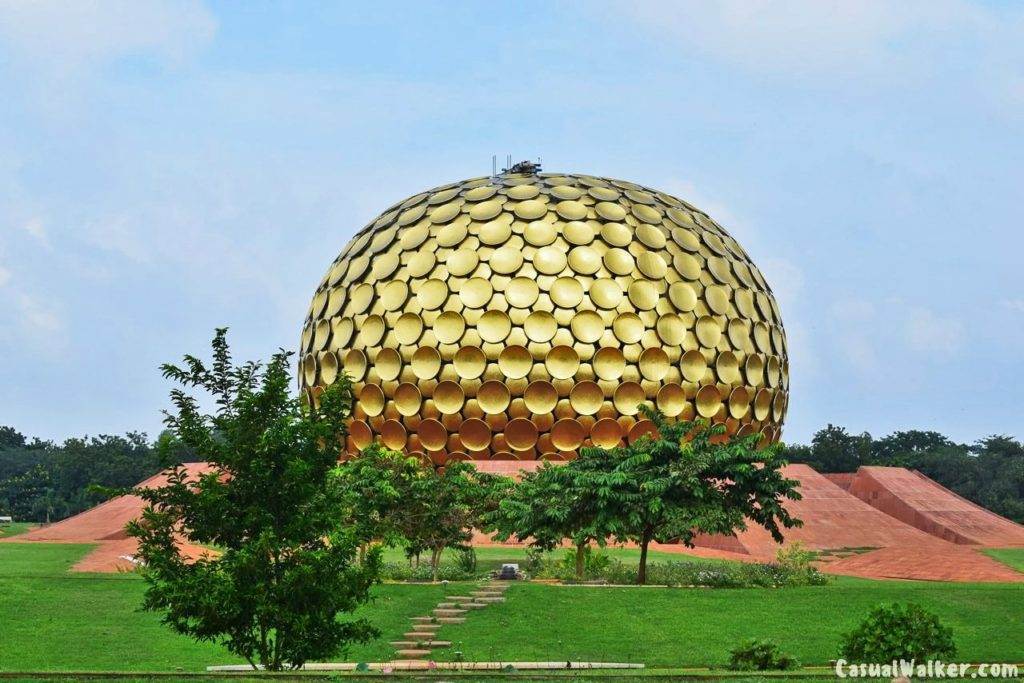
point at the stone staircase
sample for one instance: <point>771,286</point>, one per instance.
<point>421,641</point>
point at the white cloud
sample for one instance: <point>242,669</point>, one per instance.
<point>929,333</point>
<point>5,276</point>
<point>36,229</point>
<point>1015,305</point>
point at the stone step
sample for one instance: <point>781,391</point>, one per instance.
<point>487,594</point>
<point>459,598</point>
<point>419,635</point>
<point>426,622</point>
<point>421,643</point>
<point>448,612</point>
<point>452,620</point>
<point>413,654</point>
<point>490,600</point>
<point>460,605</point>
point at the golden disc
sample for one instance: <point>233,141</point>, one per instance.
<point>485,210</point>
<point>540,397</point>
<point>408,328</point>
<point>540,326</point>
<point>686,239</point>
<point>628,328</point>
<point>671,400</point>
<point>328,367</point>
<point>479,194</point>
<point>618,261</point>
<point>682,296</point>
<point>587,326</point>
<point>515,361</point>
<point>426,362</point>
<point>671,329</point>
<point>571,210</point>
<point>610,212</point>
<point>522,292</point>
<point>371,399</point>
<point>609,363</point>
<point>432,434</point>
<point>493,397</point>
<point>449,327</point>
<point>449,397</point>
<point>506,260</point>
<point>628,398</point>
<point>728,368</point>
<point>445,213</point>
<point>393,434</point>
<point>654,364</point>
<point>693,365</point>
<point>719,269</point>
<point>586,397</point>
<point>643,294</point>
<point>549,260</point>
<point>494,326</point>
<point>335,300</point>
<point>762,337</point>
<point>476,292</point>
<point>640,429</point>
<point>709,401</point>
<point>566,292</point>
<point>567,434</point>
<point>341,332</point>
<point>578,233</point>
<point>495,233</point>
<point>522,192</point>
<point>407,399</point>
<point>616,234</point>
<point>432,294</point>
<point>322,334</point>
<point>469,363</point>
<point>421,263</point>
<point>355,364</point>
<point>651,236</point>
<point>762,404</point>
<point>639,196</point>
<point>531,209</point>
<point>562,362</point>
<point>394,295</point>
<point>739,402</point>
<point>521,434</point>
<point>605,293</point>
<point>565,192</point>
<point>414,237</point>
<point>462,262</point>
<point>360,434</point>
<point>773,371</point>
<point>717,298</point>
<point>411,215</point>
<point>585,260</point>
<point>384,265</point>
<point>475,434</point>
<point>709,332</point>
<point>372,330</point>
<point>755,370</point>
<point>540,233</point>
<point>360,298</point>
<point>603,194</point>
<point>388,364</point>
<point>687,265</point>
<point>606,433</point>
<point>739,337</point>
<point>451,235</point>
<point>652,265</point>
<point>779,406</point>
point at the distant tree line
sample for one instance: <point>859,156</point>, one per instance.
<point>41,480</point>
<point>989,472</point>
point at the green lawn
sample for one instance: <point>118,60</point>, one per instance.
<point>1013,557</point>
<point>55,620</point>
<point>15,528</point>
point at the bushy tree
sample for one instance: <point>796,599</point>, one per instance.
<point>274,508</point>
<point>898,631</point>
<point>378,483</point>
<point>685,482</point>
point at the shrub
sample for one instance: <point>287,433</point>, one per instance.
<point>465,559</point>
<point>760,655</point>
<point>795,556</point>
<point>898,631</point>
<point>402,571</point>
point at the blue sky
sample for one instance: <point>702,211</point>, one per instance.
<point>166,168</point>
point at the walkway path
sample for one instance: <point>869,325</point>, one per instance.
<point>422,639</point>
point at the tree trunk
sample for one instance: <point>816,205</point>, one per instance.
<point>641,574</point>
<point>435,563</point>
<point>362,554</point>
<point>581,549</point>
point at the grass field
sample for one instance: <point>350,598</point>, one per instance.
<point>15,528</point>
<point>1013,557</point>
<point>55,620</point>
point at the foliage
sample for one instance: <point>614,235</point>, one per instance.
<point>898,631</point>
<point>376,485</point>
<point>687,482</point>
<point>758,654</point>
<point>406,571</point>
<point>274,505</point>
<point>795,556</point>
<point>705,574</point>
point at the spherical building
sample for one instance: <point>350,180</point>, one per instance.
<point>524,316</point>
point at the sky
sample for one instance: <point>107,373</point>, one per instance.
<point>170,167</point>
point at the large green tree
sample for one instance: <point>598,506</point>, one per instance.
<point>285,574</point>
<point>378,483</point>
<point>685,481</point>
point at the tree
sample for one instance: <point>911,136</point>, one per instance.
<point>377,484</point>
<point>833,449</point>
<point>684,482</point>
<point>445,505</point>
<point>557,502</point>
<point>273,505</point>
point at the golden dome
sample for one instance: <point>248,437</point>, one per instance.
<point>526,315</point>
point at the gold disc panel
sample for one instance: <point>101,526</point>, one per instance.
<point>527,316</point>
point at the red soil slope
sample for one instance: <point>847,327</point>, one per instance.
<point>916,500</point>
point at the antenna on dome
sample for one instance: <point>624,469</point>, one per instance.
<point>521,166</point>
<point>494,165</point>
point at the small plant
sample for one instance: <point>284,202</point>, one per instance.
<point>795,556</point>
<point>465,559</point>
<point>898,631</point>
<point>760,655</point>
